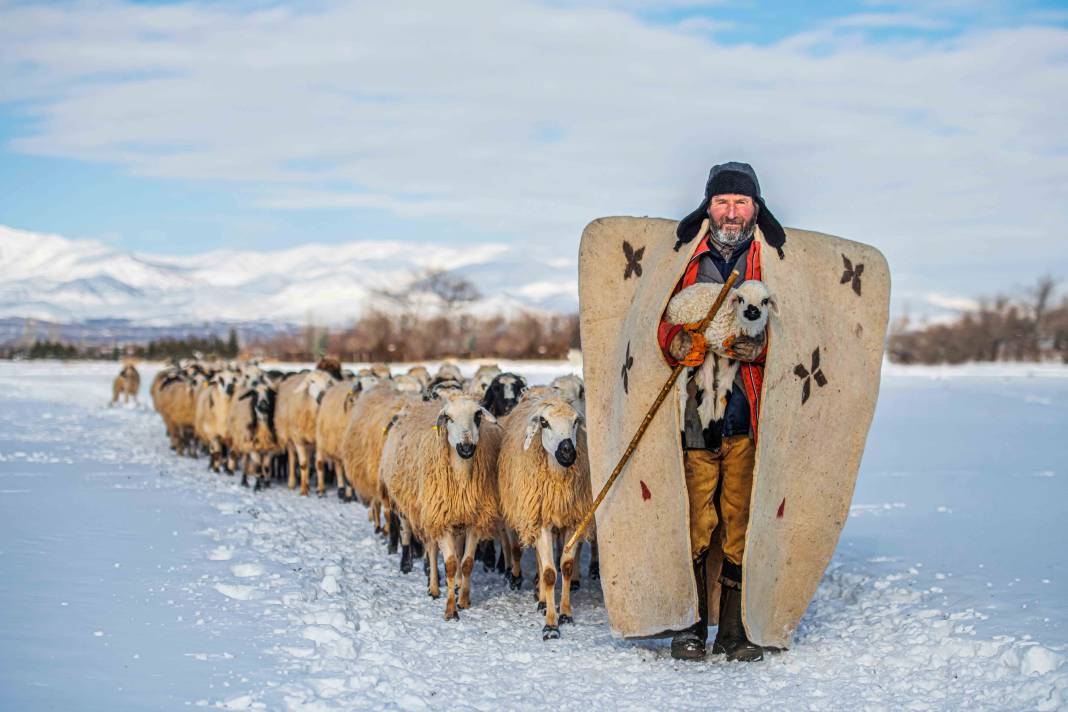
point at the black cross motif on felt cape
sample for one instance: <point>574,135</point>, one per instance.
<point>810,374</point>
<point>628,363</point>
<point>852,274</point>
<point>634,260</point>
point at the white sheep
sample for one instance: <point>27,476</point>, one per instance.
<point>439,467</point>
<point>295,418</point>
<point>544,486</point>
<point>213,404</point>
<point>741,323</point>
<point>361,450</point>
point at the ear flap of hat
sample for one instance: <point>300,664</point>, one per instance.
<point>690,225</point>
<point>774,234</point>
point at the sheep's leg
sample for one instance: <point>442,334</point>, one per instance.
<point>344,487</point>
<point>467,565</point>
<point>504,559</point>
<point>320,471</point>
<point>447,544</point>
<point>433,586</point>
<point>291,459</point>
<point>406,546</point>
<point>375,513</point>
<point>547,582</point>
<point>515,551</point>
<point>595,561</point>
<point>231,462</point>
<point>568,568</point>
<point>302,457</point>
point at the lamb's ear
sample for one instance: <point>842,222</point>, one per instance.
<point>486,415</point>
<point>247,395</point>
<point>442,420</point>
<point>533,426</point>
<point>773,302</point>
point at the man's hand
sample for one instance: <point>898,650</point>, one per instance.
<point>688,348</point>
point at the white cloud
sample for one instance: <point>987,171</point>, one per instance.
<point>947,301</point>
<point>533,119</point>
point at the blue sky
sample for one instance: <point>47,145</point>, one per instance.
<point>179,127</point>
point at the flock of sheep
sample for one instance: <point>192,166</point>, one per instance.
<point>445,465</point>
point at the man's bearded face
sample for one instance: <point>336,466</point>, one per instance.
<point>732,218</point>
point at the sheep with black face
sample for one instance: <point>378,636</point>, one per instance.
<point>251,439</point>
<point>503,392</point>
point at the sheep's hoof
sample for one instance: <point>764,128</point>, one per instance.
<point>378,530</point>
<point>391,547</point>
<point>576,585</point>
<point>564,618</point>
<point>433,594</point>
<point>550,632</point>
<point>258,486</point>
<point>515,582</point>
<point>244,480</point>
<point>541,606</point>
<point>454,616</point>
<point>321,493</point>
<point>406,560</point>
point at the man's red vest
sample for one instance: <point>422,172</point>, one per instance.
<point>752,373</point>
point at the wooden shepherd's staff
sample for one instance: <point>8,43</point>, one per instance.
<point>649,415</point>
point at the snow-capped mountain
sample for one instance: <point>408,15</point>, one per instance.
<point>57,279</point>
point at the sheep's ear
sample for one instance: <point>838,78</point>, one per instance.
<point>486,415</point>
<point>533,426</point>
<point>442,420</point>
<point>773,302</point>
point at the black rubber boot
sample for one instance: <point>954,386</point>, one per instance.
<point>689,643</point>
<point>730,638</point>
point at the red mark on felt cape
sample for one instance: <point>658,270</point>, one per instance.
<point>646,494</point>
<point>782,507</point>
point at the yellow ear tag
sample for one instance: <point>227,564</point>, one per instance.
<point>435,427</point>
<point>205,384</point>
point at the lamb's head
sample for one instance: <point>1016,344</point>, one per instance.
<point>503,393</point>
<point>459,422</point>
<point>751,302</point>
<point>558,422</point>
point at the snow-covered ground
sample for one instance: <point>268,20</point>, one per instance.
<point>132,579</point>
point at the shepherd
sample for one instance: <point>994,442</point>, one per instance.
<point>719,465</point>
<point>734,524</point>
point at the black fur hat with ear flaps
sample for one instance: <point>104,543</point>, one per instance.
<point>732,178</point>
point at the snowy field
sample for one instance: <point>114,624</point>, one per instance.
<point>133,580</point>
